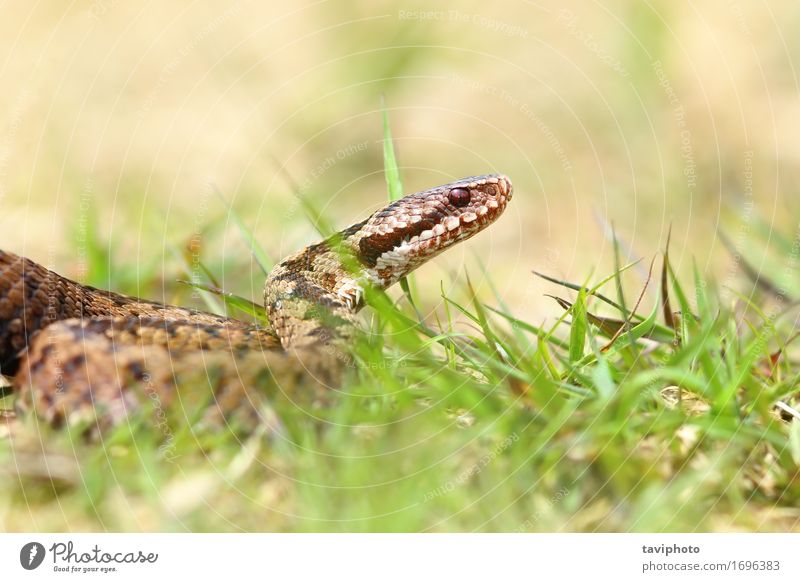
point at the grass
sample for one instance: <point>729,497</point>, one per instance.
<point>651,411</point>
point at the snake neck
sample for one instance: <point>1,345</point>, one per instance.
<point>312,297</point>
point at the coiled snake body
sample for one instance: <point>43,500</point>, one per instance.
<point>76,352</point>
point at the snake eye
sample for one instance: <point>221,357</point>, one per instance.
<point>459,197</point>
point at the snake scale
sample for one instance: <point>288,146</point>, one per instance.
<point>74,352</point>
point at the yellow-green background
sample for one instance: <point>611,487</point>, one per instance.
<point>131,113</point>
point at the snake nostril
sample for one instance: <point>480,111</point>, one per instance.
<point>459,197</point>
<point>491,190</point>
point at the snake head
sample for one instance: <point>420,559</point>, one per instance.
<point>407,233</point>
<point>318,289</point>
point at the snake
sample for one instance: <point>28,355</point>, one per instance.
<point>77,354</point>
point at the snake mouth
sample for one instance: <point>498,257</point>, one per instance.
<point>488,198</point>
<point>422,225</point>
<point>470,205</point>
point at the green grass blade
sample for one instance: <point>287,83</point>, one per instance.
<point>391,170</point>
<point>577,332</point>
<point>394,187</point>
<point>240,303</point>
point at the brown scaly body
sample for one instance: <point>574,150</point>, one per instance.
<point>32,297</point>
<point>77,352</point>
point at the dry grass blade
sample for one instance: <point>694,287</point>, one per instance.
<point>770,363</point>
<point>575,287</point>
<point>607,325</point>
<point>633,311</point>
<point>788,409</point>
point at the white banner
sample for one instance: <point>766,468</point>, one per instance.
<point>401,557</point>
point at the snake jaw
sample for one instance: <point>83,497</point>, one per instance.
<point>396,240</point>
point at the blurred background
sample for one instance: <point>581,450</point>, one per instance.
<point>134,126</point>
